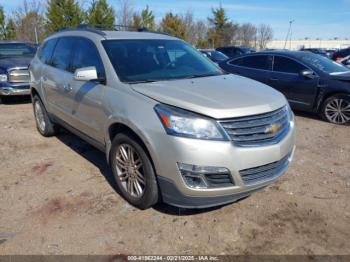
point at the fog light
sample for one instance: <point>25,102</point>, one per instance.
<point>3,78</point>
<point>195,176</point>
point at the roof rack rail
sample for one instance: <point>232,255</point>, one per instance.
<point>97,28</point>
<point>84,27</point>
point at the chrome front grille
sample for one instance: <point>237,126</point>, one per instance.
<point>260,174</point>
<point>257,130</point>
<point>18,76</point>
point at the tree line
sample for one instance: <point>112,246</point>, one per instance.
<point>35,20</point>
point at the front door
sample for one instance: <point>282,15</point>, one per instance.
<point>286,78</point>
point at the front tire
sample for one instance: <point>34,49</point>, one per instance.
<point>336,109</point>
<point>133,171</point>
<point>42,120</point>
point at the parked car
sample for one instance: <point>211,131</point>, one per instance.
<point>340,54</point>
<point>233,51</point>
<point>309,81</point>
<point>330,52</point>
<point>214,55</point>
<point>14,61</point>
<point>317,51</point>
<point>346,61</point>
<point>173,126</point>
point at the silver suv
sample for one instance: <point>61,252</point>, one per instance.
<point>174,127</point>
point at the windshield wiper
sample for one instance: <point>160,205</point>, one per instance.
<point>201,75</point>
<point>142,81</point>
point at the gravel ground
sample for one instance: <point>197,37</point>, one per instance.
<point>57,197</point>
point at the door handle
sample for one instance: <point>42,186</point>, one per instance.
<point>274,79</point>
<point>67,87</point>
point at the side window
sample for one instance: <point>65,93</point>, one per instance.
<point>46,50</point>
<point>63,53</point>
<point>262,62</point>
<point>238,62</point>
<point>286,65</point>
<point>86,55</point>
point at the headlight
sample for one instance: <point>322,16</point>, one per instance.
<point>290,115</point>
<point>3,78</point>
<point>179,122</point>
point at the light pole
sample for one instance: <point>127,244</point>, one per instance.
<point>289,35</point>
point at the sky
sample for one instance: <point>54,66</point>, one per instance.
<point>322,19</point>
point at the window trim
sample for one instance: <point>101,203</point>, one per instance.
<point>291,58</point>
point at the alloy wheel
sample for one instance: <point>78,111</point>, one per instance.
<point>130,171</point>
<point>39,116</point>
<point>338,111</point>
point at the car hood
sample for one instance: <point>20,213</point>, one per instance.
<point>344,76</point>
<point>10,62</point>
<point>219,97</point>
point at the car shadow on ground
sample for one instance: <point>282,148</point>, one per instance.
<point>13,100</point>
<point>97,158</point>
<point>309,115</point>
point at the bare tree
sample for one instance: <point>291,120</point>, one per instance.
<point>188,21</point>
<point>125,13</point>
<point>29,21</point>
<point>247,34</point>
<point>201,33</point>
<point>265,34</point>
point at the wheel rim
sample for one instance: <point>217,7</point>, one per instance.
<point>338,111</point>
<point>130,170</point>
<point>39,116</point>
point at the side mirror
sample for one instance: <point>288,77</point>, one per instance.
<point>86,74</point>
<point>308,74</point>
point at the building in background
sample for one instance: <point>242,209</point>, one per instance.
<point>309,43</point>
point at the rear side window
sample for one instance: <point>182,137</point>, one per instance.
<point>286,65</point>
<point>86,55</point>
<point>262,62</point>
<point>46,50</point>
<point>63,53</point>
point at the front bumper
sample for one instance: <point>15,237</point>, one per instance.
<point>15,90</point>
<point>219,154</point>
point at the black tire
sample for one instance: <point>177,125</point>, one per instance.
<point>150,194</point>
<point>329,115</point>
<point>4,100</point>
<point>49,129</point>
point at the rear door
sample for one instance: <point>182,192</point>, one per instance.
<point>257,67</point>
<point>85,98</point>
<point>285,77</point>
<point>55,78</point>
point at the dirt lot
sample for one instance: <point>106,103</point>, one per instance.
<point>57,197</point>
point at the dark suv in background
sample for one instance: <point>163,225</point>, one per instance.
<point>233,51</point>
<point>15,58</point>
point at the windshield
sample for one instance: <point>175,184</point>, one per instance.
<point>16,49</point>
<point>218,56</point>
<point>155,60</point>
<point>324,64</point>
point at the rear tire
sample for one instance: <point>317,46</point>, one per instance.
<point>133,171</point>
<point>336,109</point>
<point>43,123</point>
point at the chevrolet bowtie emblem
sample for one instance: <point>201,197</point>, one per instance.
<point>273,129</point>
